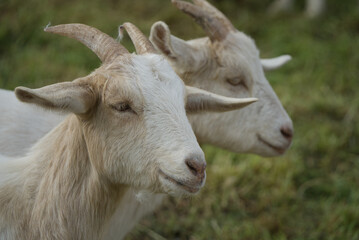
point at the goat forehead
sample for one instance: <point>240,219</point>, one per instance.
<point>239,46</point>
<point>121,87</point>
<point>235,56</point>
<point>239,55</point>
<point>149,76</point>
<point>157,77</point>
<point>242,41</point>
<point>154,67</point>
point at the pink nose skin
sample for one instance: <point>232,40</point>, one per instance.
<point>197,167</point>
<point>287,132</point>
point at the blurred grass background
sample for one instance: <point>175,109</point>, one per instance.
<point>312,192</point>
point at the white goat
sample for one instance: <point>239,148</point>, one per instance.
<point>126,127</point>
<point>227,63</point>
<point>229,66</point>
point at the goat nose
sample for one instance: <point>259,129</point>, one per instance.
<point>196,166</point>
<point>287,131</point>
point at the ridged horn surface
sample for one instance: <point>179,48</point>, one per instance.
<point>214,23</point>
<point>141,42</point>
<point>104,46</point>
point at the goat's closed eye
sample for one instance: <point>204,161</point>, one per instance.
<point>237,81</point>
<point>122,107</point>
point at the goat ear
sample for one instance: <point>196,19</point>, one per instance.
<point>200,100</point>
<point>275,63</point>
<point>175,49</point>
<point>68,96</point>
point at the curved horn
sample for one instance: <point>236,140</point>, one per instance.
<point>215,24</point>
<point>202,100</point>
<point>105,47</point>
<point>141,42</point>
<point>270,64</point>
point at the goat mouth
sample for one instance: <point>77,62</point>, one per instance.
<point>279,150</point>
<point>179,183</point>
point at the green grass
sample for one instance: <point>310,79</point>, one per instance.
<point>312,192</point>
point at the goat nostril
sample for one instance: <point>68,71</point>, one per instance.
<point>195,166</point>
<point>287,131</point>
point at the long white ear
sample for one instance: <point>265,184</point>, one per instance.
<point>270,64</point>
<point>175,49</point>
<point>68,96</point>
<point>200,100</point>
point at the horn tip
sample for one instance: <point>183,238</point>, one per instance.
<point>126,24</point>
<point>46,28</point>
<point>121,30</point>
<point>288,57</point>
<point>160,24</point>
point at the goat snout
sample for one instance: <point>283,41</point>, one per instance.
<point>197,166</point>
<point>287,131</point>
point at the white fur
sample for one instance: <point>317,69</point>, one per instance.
<point>238,130</point>
<point>21,125</point>
<point>206,65</point>
<point>164,142</point>
<point>201,64</point>
<point>263,118</point>
<point>101,148</point>
<point>266,118</point>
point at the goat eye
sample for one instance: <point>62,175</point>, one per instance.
<point>238,81</point>
<point>122,107</point>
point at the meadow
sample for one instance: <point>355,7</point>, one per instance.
<point>311,192</point>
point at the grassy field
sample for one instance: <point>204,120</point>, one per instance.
<point>312,192</point>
